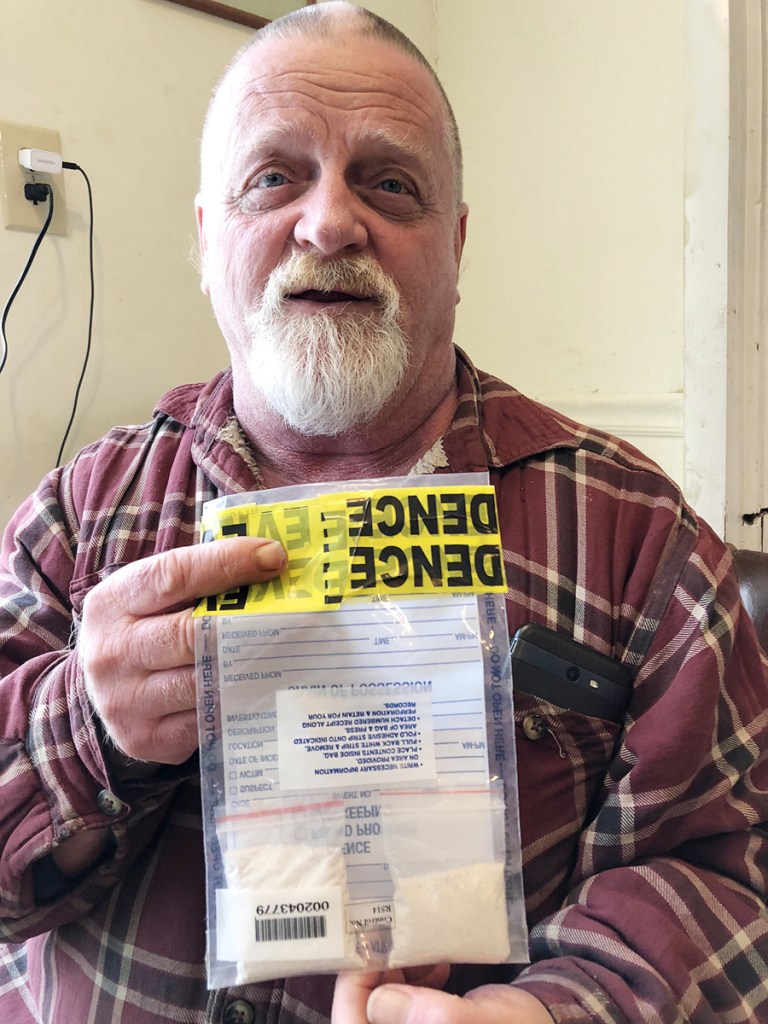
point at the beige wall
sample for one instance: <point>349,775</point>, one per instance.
<point>573,120</point>
<point>126,84</point>
<point>572,117</point>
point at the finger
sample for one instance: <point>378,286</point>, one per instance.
<point>168,740</point>
<point>153,718</point>
<point>180,576</point>
<point>146,665</point>
<point>156,643</point>
<point>432,976</point>
<point>165,693</point>
<point>491,1004</point>
<point>505,1003</point>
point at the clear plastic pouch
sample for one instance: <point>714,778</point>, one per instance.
<point>357,742</point>
<point>446,849</point>
<point>286,890</point>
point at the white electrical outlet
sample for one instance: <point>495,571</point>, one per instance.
<point>19,212</point>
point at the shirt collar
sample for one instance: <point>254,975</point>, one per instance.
<point>494,426</point>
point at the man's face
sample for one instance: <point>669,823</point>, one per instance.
<point>320,153</point>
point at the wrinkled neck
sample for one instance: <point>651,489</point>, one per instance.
<point>392,446</point>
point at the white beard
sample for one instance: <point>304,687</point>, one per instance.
<point>325,374</point>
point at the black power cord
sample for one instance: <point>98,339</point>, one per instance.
<point>76,167</point>
<point>36,192</point>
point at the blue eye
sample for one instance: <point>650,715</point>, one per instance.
<point>393,186</point>
<point>270,180</point>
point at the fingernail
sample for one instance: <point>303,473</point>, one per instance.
<point>270,556</point>
<point>388,1005</point>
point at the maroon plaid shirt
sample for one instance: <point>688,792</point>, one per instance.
<point>645,846</point>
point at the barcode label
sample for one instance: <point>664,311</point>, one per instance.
<point>282,925</point>
<point>290,929</point>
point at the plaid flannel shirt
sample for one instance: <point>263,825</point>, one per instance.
<point>645,848</point>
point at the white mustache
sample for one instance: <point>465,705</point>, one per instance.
<point>359,276</point>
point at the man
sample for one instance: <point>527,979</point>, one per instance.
<point>331,229</point>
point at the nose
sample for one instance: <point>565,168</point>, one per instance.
<point>331,219</point>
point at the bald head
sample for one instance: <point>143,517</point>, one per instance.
<point>333,21</point>
<point>329,146</point>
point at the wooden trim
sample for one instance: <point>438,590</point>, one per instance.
<point>747,405</point>
<point>220,10</point>
<point>652,422</point>
<point>705,256</point>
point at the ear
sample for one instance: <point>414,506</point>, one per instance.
<point>461,231</point>
<point>460,237</point>
<point>201,242</point>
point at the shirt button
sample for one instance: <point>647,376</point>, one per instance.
<point>239,1012</point>
<point>109,803</point>
<point>534,726</point>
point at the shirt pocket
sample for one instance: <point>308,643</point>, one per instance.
<point>562,759</point>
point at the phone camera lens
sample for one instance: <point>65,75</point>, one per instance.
<point>572,673</point>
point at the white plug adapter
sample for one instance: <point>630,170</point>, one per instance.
<point>40,160</point>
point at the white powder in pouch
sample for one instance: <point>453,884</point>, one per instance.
<point>453,916</point>
<point>295,869</point>
<point>283,866</point>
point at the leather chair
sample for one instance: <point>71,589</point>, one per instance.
<point>752,570</point>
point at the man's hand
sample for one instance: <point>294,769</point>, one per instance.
<point>136,641</point>
<point>362,998</point>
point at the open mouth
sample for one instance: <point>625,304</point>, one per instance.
<point>312,295</point>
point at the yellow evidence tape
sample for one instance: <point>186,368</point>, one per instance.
<point>365,544</point>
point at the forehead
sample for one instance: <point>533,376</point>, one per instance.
<point>360,87</point>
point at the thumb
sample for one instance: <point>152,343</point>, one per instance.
<point>490,1004</point>
<point>354,987</point>
<point>406,1004</point>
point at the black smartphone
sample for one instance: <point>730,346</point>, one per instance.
<point>559,669</point>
